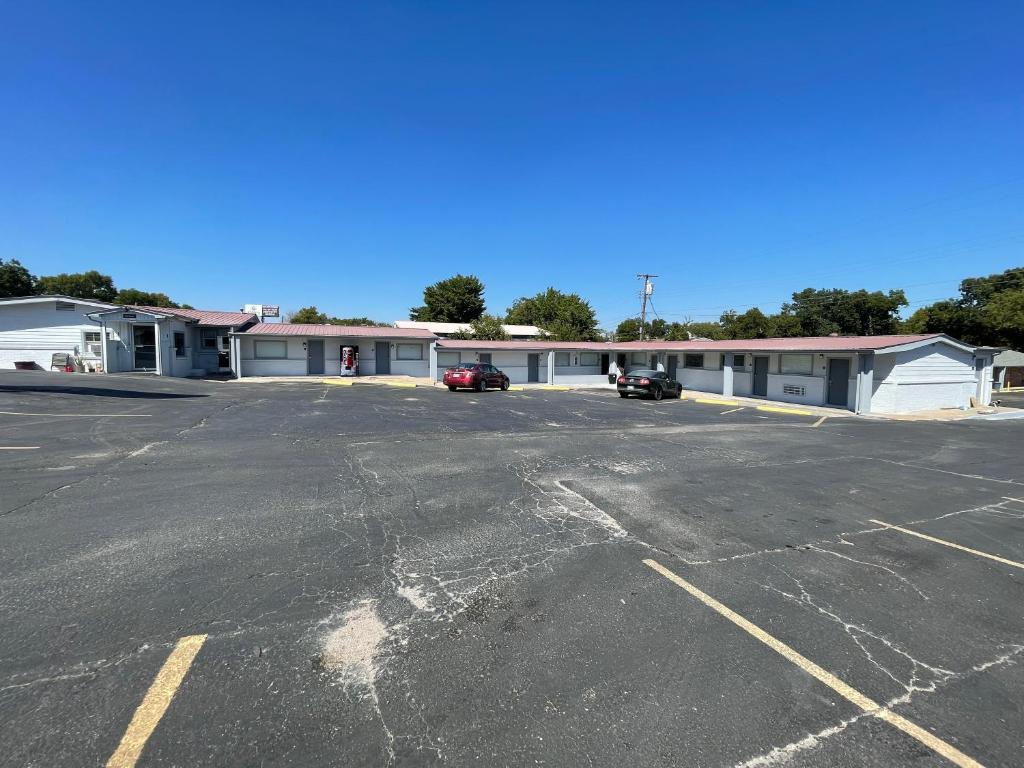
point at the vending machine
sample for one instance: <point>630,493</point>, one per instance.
<point>350,361</point>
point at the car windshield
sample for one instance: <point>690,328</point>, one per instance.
<point>464,367</point>
<point>643,372</point>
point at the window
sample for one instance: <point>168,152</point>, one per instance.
<point>225,342</point>
<point>447,359</point>
<point>693,361</point>
<point>562,359</point>
<point>179,344</point>
<point>800,365</point>
<point>66,306</point>
<point>208,338</point>
<point>92,343</point>
<point>739,361</point>
<point>271,350</point>
<point>589,358</point>
<point>409,351</point>
<point>638,358</point>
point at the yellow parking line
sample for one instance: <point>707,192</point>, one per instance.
<point>819,422</point>
<point>157,699</point>
<point>554,388</point>
<point>775,409</point>
<point>950,544</point>
<point>514,389</point>
<point>709,401</point>
<point>852,695</point>
<point>730,411</point>
<point>403,384</point>
<point>337,382</point>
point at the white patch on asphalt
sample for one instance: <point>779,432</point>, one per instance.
<point>145,449</point>
<point>591,512</point>
<point>415,595</point>
<point>351,649</point>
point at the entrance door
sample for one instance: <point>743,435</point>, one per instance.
<point>485,357</point>
<point>382,351</point>
<point>144,338</point>
<point>654,362</point>
<point>533,367</point>
<point>315,357</point>
<point>673,366</point>
<point>760,387</point>
<point>605,363</point>
<point>838,382</point>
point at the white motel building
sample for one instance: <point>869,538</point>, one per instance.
<point>864,374</point>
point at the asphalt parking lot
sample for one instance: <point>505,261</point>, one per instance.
<point>371,575</point>
<point>1011,399</point>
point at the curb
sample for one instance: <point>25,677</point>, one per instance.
<point>709,401</point>
<point>794,411</point>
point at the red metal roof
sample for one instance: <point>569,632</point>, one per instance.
<point>207,317</point>
<point>795,344</point>
<point>300,329</point>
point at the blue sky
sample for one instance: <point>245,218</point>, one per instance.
<point>346,155</point>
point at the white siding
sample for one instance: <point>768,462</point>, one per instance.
<point>924,379</point>
<point>36,331</point>
<point>700,379</point>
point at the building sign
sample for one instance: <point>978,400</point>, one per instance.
<point>271,310</point>
<point>128,315</point>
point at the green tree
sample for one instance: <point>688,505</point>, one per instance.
<point>308,315</point>
<point>628,330</point>
<point>656,329</point>
<point>489,327</point>
<point>81,285</point>
<point>987,311</point>
<point>752,324</point>
<point>565,316</point>
<point>712,331</point>
<point>135,297</point>
<point>1004,314</point>
<point>459,299</point>
<point>15,280</point>
<point>821,312</point>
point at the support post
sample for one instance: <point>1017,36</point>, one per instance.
<point>865,382</point>
<point>158,340</point>
<point>433,362</point>
<point>551,366</point>
<point>103,346</point>
<point>728,360</point>
<point>236,348</point>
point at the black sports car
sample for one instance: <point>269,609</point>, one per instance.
<point>646,383</point>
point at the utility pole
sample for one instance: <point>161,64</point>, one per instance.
<point>644,294</point>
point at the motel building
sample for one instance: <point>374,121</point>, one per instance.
<point>286,349</point>
<point>864,374</point>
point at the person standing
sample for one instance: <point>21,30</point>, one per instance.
<point>613,372</point>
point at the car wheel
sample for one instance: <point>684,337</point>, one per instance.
<point>481,385</point>
<point>658,393</point>
<point>505,383</point>
<point>451,388</point>
<point>623,395</point>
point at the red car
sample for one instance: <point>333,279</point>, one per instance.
<point>478,376</point>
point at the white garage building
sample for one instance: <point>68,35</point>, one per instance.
<point>35,328</point>
<point>865,374</point>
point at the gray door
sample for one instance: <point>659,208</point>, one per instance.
<point>673,366</point>
<point>760,388</point>
<point>533,367</point>
<point>315,357</point>
<point>144,341</point>
<point>838,381</point>
<point>485,357</point>
<point>383,354</point>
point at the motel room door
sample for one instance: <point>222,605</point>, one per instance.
<point>315,357</point>
<point>838,392</point>
<point>760,385</point>
<point>144,341</point>
<point>533,367</point>
<point>673,366</point>
<point>382,353</point>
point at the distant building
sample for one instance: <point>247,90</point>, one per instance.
<point>1008,369</point>
<point>444,330</point>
